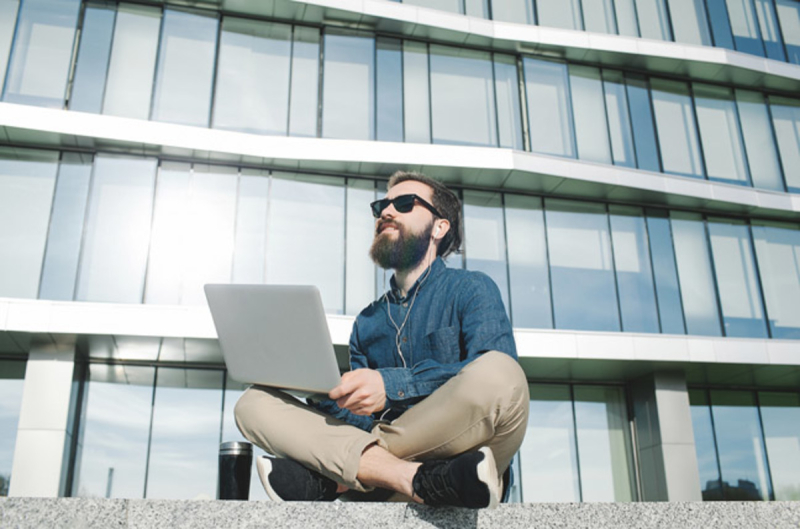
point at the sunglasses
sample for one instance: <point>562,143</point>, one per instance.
<point>403,204</point>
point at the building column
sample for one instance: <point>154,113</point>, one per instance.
<point>44,434</point>
<point>665,438</point>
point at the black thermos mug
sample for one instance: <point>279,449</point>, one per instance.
<point>235,460</point>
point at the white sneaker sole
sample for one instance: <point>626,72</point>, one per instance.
<point>487,473</point>
<point>264,467</point>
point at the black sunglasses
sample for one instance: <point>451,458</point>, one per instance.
<point>403,204</point>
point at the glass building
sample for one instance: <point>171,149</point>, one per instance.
<point>630,180</point>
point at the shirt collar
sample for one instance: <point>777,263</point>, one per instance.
<point>394,293</point>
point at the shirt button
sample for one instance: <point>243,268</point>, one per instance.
<point>401,394</point>
<point>405,304</point>
<point>405,339</point>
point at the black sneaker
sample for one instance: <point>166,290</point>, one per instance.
<point>468,480</point>
<point>287,480</point>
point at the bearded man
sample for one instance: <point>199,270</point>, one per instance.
<point>435,404</point>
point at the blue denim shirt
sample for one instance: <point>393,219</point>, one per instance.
<point>457,315</point>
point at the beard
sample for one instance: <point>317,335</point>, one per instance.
<point>404,252</point>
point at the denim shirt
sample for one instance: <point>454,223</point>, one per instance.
<point>456,316</point>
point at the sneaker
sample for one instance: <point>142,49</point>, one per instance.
<point>287,480</point>
<point>468,480</point>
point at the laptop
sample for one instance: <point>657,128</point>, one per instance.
<point>275,335</point>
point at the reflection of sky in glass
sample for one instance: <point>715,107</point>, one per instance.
<point>741,451</point>
<point>601,420</point>
<point>10,401</point>
<point>185,437</point>
<point>780,415</point>
<point>116,425</point>
<point>548,454</point>
<point>704,445</point>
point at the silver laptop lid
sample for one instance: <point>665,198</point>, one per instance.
<point>275,335</point>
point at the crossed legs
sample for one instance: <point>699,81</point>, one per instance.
<point>485,404</point>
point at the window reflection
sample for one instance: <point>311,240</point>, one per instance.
<point>40,62</point>
<point>780,415</point>
<point>92,64</point>
<point>786,120</point>
<point>182,92</point>
<point>720,134</point>
<point>114,254</point>
<point>485,238</point>
<point>252,93</point>
<point>27,180</point>
<point>348,92</point>
<point>116,426</point>
<point>462,79</point>
<point>677,132</point>
<point>705,446</point>
<point>778,252</point>
<point>133,58</point>
<point>185,434</point>
<point>591,130</point>
<point>306,224</point>
<point>549,111</point>
<point>8,19</point>
<point>735,271</point>
<point>581,266</point>
<point>12,374</point>
<point>577,447</point>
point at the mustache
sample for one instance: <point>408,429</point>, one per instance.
<point>386,223</point>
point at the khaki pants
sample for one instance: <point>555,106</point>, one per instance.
<point>485,404</point>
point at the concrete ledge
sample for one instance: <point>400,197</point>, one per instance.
<point>91,513</point>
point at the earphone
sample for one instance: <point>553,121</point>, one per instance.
<point>438,228</point>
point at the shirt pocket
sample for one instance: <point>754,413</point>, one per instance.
<point>442,345</point>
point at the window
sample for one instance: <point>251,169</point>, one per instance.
<point>360,270</point>
<point>665,272</point>
<point>698,292</point>
<point>132,64</point>
<point>348,93</point>
<point>462,79</point>
<point>250,244</point>
<point>12,375</point>
<point>529,273</point>
<point>642,124</point>
<point>252,93</point>
<point>549,111</point>
<point>599,16</point>
<point>677,133</point>
<point>581,266</point>
<point>789,16</point>
<point>692,26</point>
<point>66,227</point>
<point>619,119</point>
<point>778,252</point>
<point>591,123</point>
<point>305,82</point>
<point>735,271</point>
<point>389,63</point>
<point>27,180</point>
<point>632,265</point>
<point>653,19</point>
<point>759,141</point>
<point>564,14</point>
<point>185,68</point>
<point>40,61</point>
<point>8,21</point>
<point>744,24</point>
<point>92,67</point>
<point>416,92</point>
<point>786,120</point>
<point>720,24</point>
<point>577,447</point>
<point>117,236</point>
<point>720,134</point>
<point>509,112</point>
<point>484,231</point>
<point>519,11</point>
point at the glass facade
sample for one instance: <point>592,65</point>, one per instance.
<point>12,373</point>
<point>271,78</point>
<point>767,28</point>
<point>129,229</point>
<point>748,444</point>
<point>577,445</point>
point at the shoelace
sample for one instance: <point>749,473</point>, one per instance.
<point>434,486</point>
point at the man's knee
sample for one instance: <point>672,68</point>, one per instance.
<point>493,377</point>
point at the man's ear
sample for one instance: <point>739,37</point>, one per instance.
<point>442,227</point>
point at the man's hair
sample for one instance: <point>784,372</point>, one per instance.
<point>445,201</point>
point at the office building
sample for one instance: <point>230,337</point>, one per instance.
<point>629,170</point>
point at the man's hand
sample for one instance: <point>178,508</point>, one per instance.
<point>361,391</point>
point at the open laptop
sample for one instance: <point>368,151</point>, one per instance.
<point>275,335</point>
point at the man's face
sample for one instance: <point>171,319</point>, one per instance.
<point>403,239</point>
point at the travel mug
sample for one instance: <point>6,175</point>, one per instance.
<point>235,460</point>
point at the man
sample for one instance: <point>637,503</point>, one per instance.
<point>435,404</point>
